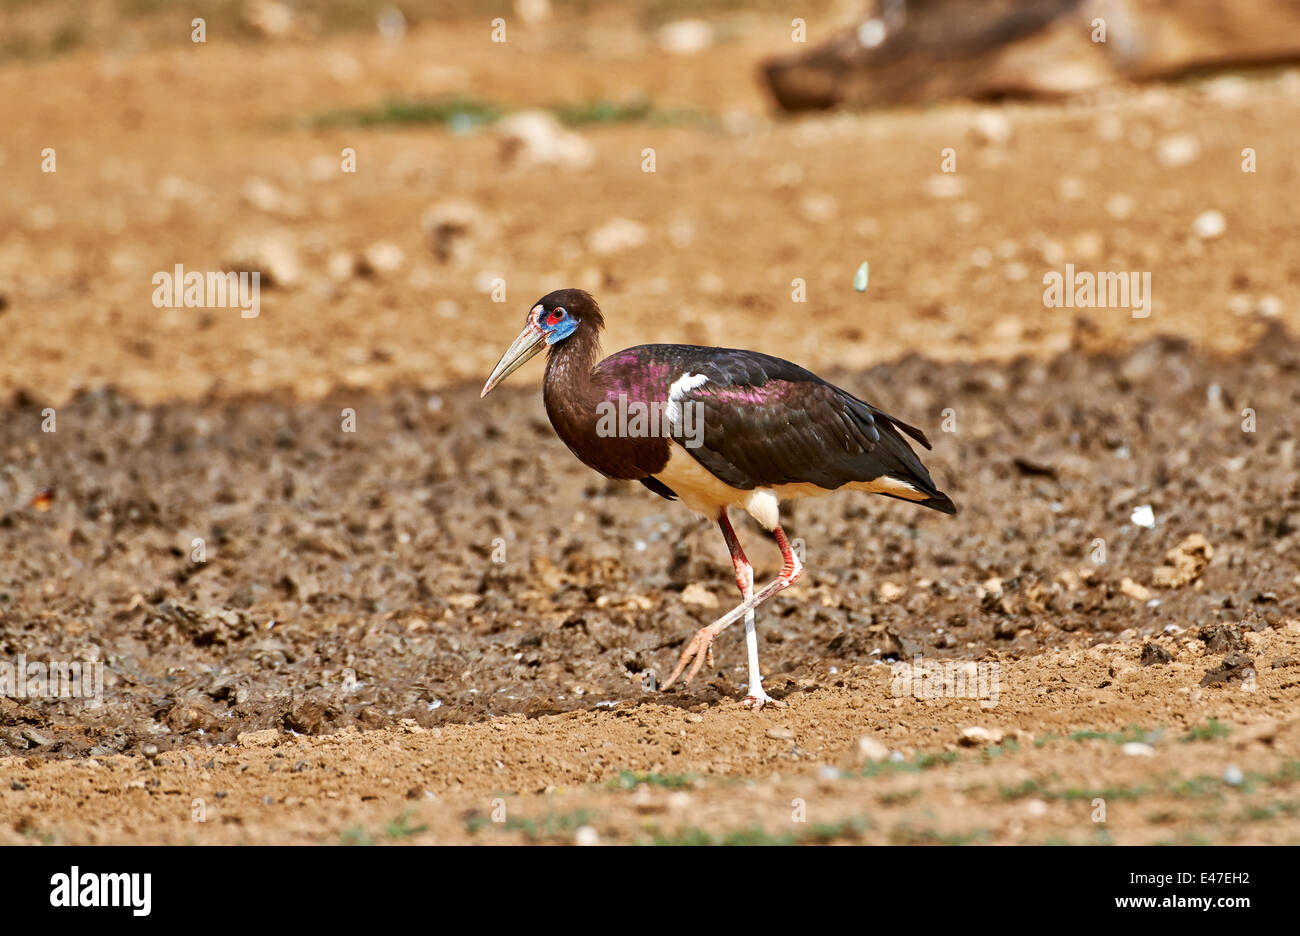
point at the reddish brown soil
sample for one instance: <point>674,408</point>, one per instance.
<point>435,628</point>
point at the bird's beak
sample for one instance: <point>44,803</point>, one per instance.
<point>531,340</point>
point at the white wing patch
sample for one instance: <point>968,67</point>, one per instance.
<point>682,386</point>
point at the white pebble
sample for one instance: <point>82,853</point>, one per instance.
<point>1209,224</point>
<point>615,235</point>
<point>686,37</point>
<point>1175,151</point>
<point>384,258</point>
<point>1269,306</point>
<point>1119,206</point>
<point>992,126</point>
<point>871,749</point>
<point>975,736</point>
<point>1144,516</point>
<point>1070,188</point>
<point>872,33</point>
<point>946,185</point>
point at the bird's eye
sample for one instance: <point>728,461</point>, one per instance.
<point>557,315</point>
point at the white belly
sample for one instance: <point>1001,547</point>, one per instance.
<point>705,494</point>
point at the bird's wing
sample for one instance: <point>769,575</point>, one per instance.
<point>756,421</point>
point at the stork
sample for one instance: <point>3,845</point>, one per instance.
<point>714,428</point>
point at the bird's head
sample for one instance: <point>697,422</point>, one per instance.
<point>555,317</point>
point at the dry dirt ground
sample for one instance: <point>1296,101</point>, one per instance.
<point>436,628</point>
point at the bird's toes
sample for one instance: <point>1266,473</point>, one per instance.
<point>694,652</point>
<point>704,654</point>
<point>756,703</point>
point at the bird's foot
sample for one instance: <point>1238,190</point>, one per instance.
<point>756,701</point>
<point>700,649</point>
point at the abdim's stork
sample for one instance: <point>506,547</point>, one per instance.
<point>717,428</point>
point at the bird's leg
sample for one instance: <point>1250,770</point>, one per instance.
<point>755,697</point>
<point>700,647</point>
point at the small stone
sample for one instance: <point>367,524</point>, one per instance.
<point>1005,628</point>
<point>1144,516</point>
<point>1233,776</point>
<point>586,835</point>
<point>1209,225</point>
<point>945,185</point>
<point>33,736</point>
<point>1071,188</point>
<point>535,138</point>
<point>1234,666</point>
<point>254,739</point>
<point>454,228</point>
<point>269,17</point>
<point>976,736</point>
<point>392,24</point>
<point>306,716</point>
<point>818,208</point>
<point>686,37</point>
<point>872,750</point>
<point>1268,307</point>
<point>341,266</point>
<point>1239,304</point>
<point>890,591</point>
<point>1138,749</point>
<point>263,196</point>
<point>696,594</point>
<point>1153,654</point>
<point>1134,590</point>
<point>1221,638</point>
<point>1119,207</point>
<point>382,259</point>
<point>1184,563</point>
<point>533,12</point>
<point>992,126</point>
<point>273,256</point>
<point>616,235</point>
<point>1175,151</point>
<point>1016,272</point>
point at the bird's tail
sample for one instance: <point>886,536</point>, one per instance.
<point>895,455</point>
<point>940,502</point>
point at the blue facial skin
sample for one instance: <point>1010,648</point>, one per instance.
<point>560,330</point>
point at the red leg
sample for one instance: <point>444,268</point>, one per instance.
<point>744,571</point>
<point>700,648</point>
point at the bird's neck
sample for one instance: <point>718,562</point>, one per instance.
<point>570,381</point>
<point>573,391</point>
